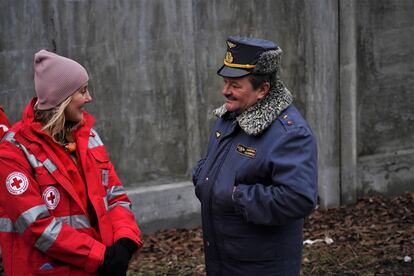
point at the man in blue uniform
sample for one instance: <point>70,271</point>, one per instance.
<point>258,180</point>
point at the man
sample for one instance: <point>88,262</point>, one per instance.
<point>4,123</point>
<point>258,180</point>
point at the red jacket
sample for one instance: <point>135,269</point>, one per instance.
<point>56,217</point>
<point>4,123</point>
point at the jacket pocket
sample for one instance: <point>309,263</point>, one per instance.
<point>28,260</point>
<point>223,194</point>
<point>248,242</point>
<point>99,153</point>
<point>60,270</point>
<point>250,249</point>
<point>102,162</point>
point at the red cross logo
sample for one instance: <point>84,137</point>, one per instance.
<point>51,197</point>
<point>17,183</point>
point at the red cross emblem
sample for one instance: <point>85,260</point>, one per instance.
<point>51,197</point>
<point>17,183</point>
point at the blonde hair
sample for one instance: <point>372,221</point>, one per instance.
<point>53,121</point>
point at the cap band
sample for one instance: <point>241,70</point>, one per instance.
<point>235,65</point>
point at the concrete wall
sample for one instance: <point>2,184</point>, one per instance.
<point>152,66</point>
<point>140,57</point>
<point>385,124</point>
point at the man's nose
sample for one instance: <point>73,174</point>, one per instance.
<point>226,91</point>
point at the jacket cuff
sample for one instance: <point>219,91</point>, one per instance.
<point>96,257</point>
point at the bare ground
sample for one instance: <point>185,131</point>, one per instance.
<point>373,237</point>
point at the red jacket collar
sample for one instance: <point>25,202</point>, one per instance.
<point>28,121</point>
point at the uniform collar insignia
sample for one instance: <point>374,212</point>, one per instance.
<point>230,44</point>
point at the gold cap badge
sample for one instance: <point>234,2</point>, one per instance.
<point>228,58</point>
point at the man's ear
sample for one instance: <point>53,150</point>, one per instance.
<point>263,90</point>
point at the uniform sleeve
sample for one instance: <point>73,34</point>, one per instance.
<point>120,211</point>
<point>197,169</point>
<point>31,219</point>
<point>293,190</point>
<point>200,163</point>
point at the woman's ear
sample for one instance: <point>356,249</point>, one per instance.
<point>263,90</point>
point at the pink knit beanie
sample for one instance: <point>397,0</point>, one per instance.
<point>56,78</point>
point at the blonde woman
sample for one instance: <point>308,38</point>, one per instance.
<point>63,209</point>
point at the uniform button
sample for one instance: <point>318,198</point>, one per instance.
<point>285,116</point>
<point>207,243</point>
<point>206,178</point>
<point>290,123</point>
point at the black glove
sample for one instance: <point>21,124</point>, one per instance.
<point>129,245</point>
<point>117,258</point>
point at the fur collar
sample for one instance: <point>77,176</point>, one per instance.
<point>260,116</point>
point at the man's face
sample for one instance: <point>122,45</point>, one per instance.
<point>240,94</point>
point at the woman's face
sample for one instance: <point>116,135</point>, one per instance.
<point>74,111</point>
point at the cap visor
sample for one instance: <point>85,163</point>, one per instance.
<point>230,72</point>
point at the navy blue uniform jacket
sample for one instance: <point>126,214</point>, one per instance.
<point>256,228</point>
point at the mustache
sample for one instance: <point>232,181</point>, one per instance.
<point>230,98</point>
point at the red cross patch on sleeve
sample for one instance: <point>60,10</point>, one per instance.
<point>51,197</point>
<point>17,183</point>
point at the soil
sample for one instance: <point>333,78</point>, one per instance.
<point>373,237</point>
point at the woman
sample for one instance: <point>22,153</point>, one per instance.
<point>63,209</point>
